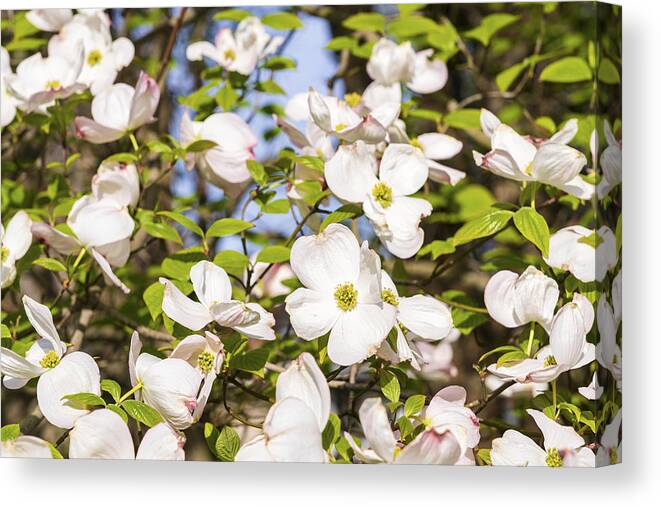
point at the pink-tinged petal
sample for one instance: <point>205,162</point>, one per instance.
<point>556,436</point>
<point>312,313</point>
<point>431,448</point>
<point>75,373</point>
<point>376,427</point>
<point>94,132</point>
<point>55,239</point>
<point>500,297</point>
<point>182,309</point>
<point>161,442</point>
<point>101,434</point>
<point>145,101</point>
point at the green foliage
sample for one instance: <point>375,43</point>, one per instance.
<point>141,412</point>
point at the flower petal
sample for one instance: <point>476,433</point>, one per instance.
<point>163,443</point>
<point>351,172</point>
<point>425,316</point>
<point>516,449</point>
<point>500,297</point>
<point>439,146</point>
<point>262,328</point>
<point>557,164</point>
<point>556,436</point>
<point>403,168</point>
<point>429,74</point>
<point>18,237</point>
<point>16,370</point>
<point>101,434</point>
<point>210,283</point>
<point>376,427</point>
<point>144,101</point>
<point>182,309</point>
<point>431,448</point>
<point>312,313</point>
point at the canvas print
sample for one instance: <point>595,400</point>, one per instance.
<point>341,234</point>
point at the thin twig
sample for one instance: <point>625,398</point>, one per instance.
<point>168,49</point>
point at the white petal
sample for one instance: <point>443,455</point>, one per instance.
<point>18,237</point>
<point>516,449</point>
<point>304,380</point>
<point>535,297</point>
<point>500,296</point>
<point>198,50</point>
<point>123,51</point>
<point>593,390</point>
<point>369,279</point>
<point>323,261</point>
<point>145,101</point>
<point>425,316</point>
<point>16,370</point>
<point>52,237</point>
<point>163,443</point>
<point>489,122</point>
<point>439,146</point>
<point>134,352</point>
<point>75,373</point>
<point>42,321</point>
<point>182,309</point>
<point>312,313</point>
<point>107,270</point>
<point>403,168</point>
<point>556,436</point>
<point>25,446</point>
<point>49,20</point>
<point>118,181</point>
<point>319,110</point>
<point>351,172</point>
<point>377,94</point>
<point>616,296</point>
<point>429,75</point>
<point>568,254</point>
<point>94,132</point>
<point>431,448</point>
<point>101,434</point>
<point>229,130</point>
<point>376,427</point>
<point>99,222</point>
<point>578,187</point>
<point>211,283</point>
<point>262,328</point>
<point>557,164</point>
<point>566,133</point>
<point>567,336</point>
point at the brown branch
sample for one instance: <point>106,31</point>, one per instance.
<point>168,49</point>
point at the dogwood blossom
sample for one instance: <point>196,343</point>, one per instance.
<point>436,360</point>
<point>103,57</point>
<point>568,348</point>
<point>352,176</point>
<point>8,103</point>
<point>224,165</point>
<point>431,447</point>
<point>515,300</point>
<point>59,374</point>
<point>562,446</point>
<point>593,390</point>
<point>118,110</point>
<point>214,292</point>
<point>25,446</point>
<point>103,434</point>
<point>609,354</point>
<point>521,158</point>
<point>49,20</point>
<point>609,451</point>
<point>239,52</point>
<point>15,242</point>
<point>341,294</point>
<point>585,253</point>
<point>611,163</point>
<point>171,386</point>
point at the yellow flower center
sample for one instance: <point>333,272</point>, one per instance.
<point>229,54</point>
<point>382,193</point>
<point>340,126</point>
<point>346,296</point>
<point>352,99</point>
<point>49,360</point>
<point>205,361</point>
<point>4,253</point>
<point>549,361</point>
<point>416,144</point>
<point>94,58</point>
<point>53,85</point>
<point>553,458</point>
<point>389,297</point>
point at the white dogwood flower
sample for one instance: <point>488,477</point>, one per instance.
<point>352,176</point>
<point>118,110</point>
<point>15,242</point>
<point>59,374</point>
<point>522,158</point>
<point>609,451</point>
<point>436,360</point>
<point>214,292</point>
<point>103,57</point>
<point>434,146</point>
<point>103,434</point>
<point>419,317</point>
<point>337,118</point>
<point>431,447</point>
<point>8,102</point>
<point>304,380</point>
<point>171,386</point>
<point>117,181</point>
<point>224,165</point>
<point>392,64</point>
<point>609,354</point>
<point>568,348</point>
<point>585,253</point>
<point>528,390</point>
<point>49,20</point>
<point>26,446</point>
<point>101,226</point>
<point>239,52</point>
<point>562,446</point>
<point>202,352</point>
<point>515,300</point>
<point>341,294</point>
<point>593,390</point>
<point>39,80</point>
<point>611,163</point>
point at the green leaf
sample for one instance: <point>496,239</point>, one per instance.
<point>342,213</point>
<point>200,145</point>
<point>280,63</point>
<point>405,426</point>
<point>118,410</point>
<point>270,87</point>
<point>211,437</point>
<point>509,357</point>
<point>482,227</point>
<point>570,69</point>
<point>6,333</point>
<point>341,42</point>
<point>227,444</point>
<point>282,21</point>
<point>258,172</point>
<point>534,228</point>
<point>463,119</point>
<point>10,432</point>
<point>162,231</point>
<point>414,404</point>
<point>489,26</point>
<point>231,261</point>
<point>231,14</point>
<point>226,97</point>
<point>83,401</point>
<point>390,386</point>
<point>153,298</point>
<point>608,72</point>
<point>251,361</point>
<point>228,227</point>
<point>405,9</point>
<point>497,350</point>
<point>274,254</point>
<point>142,412</point>
<point>332,431</point>
<point>50,264</point>
<point>183,220</point>
<point>365,22</point>
<point>593,239</point>
<point>406,27</point>
<point>484,455</point>
<point>112,388</point>
<point>437,248</point>
<point>277,207</point>
<point>27,44</point>
<point>122,157</point>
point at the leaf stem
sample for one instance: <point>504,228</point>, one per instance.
<point>126,395</point>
